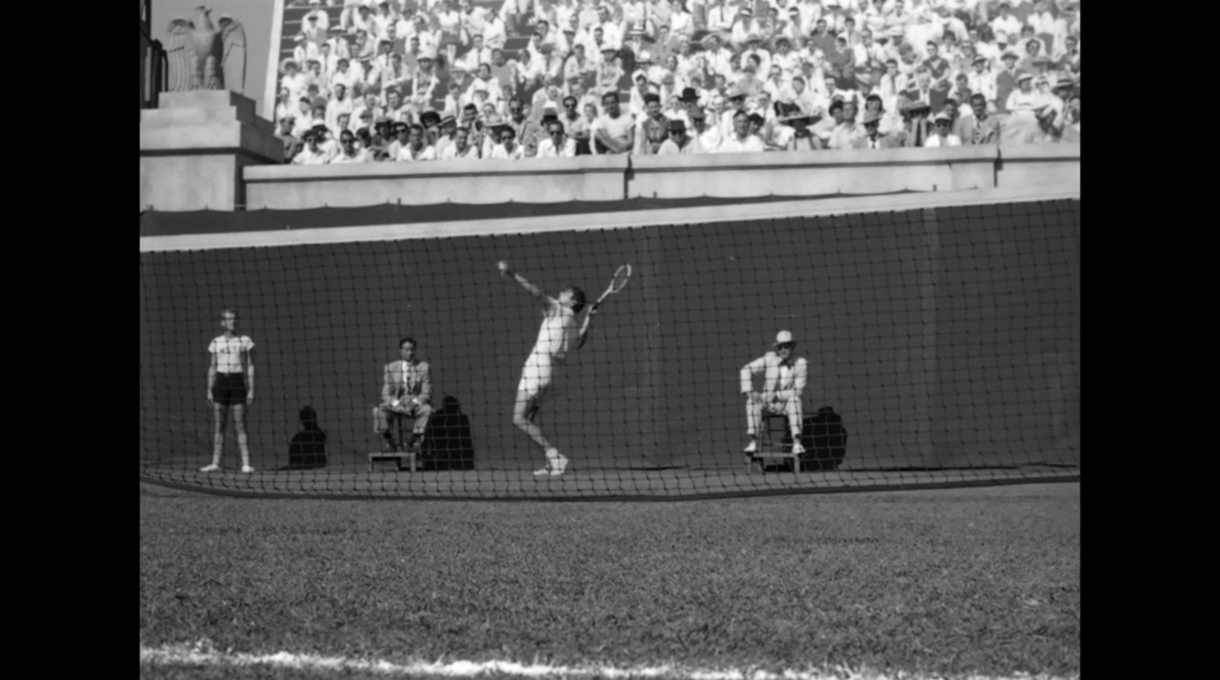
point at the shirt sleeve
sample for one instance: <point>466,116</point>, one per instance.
<point>801,377</point>
<point>425,380</point>
<point>247,343</point>
<point>748,371</point>
<point>212,346</point>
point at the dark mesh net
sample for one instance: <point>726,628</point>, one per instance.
<point>942,347</point>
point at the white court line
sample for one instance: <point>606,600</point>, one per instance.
<point>204,654</point>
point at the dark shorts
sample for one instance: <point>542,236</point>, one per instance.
<point>229,389</point>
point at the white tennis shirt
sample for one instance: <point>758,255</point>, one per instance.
<point>230,353</point>
<point>558,332</point>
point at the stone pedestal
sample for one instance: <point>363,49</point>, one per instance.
<point>194,147</point>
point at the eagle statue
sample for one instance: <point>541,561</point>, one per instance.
<point>206,56</point>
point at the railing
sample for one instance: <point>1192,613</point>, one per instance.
<point>154,73</point>
<point>154,62</point>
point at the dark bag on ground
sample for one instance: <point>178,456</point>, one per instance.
<point>824,439</point>
<point>448,444</point>
<point>307,450</point>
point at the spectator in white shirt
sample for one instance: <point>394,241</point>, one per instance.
<point>342,122</point>
<point>741,140</point>
<point>283,104</point>
<point>557,144</point>
<point>381,20</point>
<point>681,23</point>
<point>304,117</point>
<point>982,81</point>
<point>1005,22</point>
<point>720,18</point>
<point>327,58</point>
<point>1023,100</point>
<point>395,109</point>
<point>365,49</point>
<point>461,148</point>
<point>370,103</point>
<point>415,149</point>
<point>847,133</point>
<point>326,142</point>
<point>477,54</point>
<point>294,81</point>
<point>745,26</point>
<point>494,32</point>
<point>799,95</point>
<point>943,136</point>
<point>364,119</point>
<point>679,143</point>
<point>611,33</point>
<point>362,20</point>
<point>312,154</point>
<point>507,148</point>
<point>315,10</point>
<point>348,151</point>
<point>774,85</point>
<point>339,103</point>
<point>1041,19</point>
<point>614,132</point>
<point>346,75</point>
<point>312,28</point>
<point>708,135</point>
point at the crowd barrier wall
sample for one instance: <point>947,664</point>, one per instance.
<point>601,178</point>
<point>543,180</point>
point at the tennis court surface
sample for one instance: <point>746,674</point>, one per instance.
<point>936,583</point>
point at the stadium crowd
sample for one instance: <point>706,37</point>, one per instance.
<point>413,80</point>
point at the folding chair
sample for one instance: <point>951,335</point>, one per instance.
<point>771,448</point>
<point>403,459</point>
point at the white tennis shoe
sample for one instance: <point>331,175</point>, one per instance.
<point>247,469</point>
<point>210,468</point>
<point>752,446</point>
<point>797,448</point>
<point>556,464</point>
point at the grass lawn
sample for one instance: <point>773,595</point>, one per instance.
<point>946,582</point>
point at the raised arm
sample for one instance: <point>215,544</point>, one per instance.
<point>584,327</point>
<point>749,371</point>
<point>506,270</point>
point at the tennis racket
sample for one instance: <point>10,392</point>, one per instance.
<point>617,284</point>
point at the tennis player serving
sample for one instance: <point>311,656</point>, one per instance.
<point>557,336</point>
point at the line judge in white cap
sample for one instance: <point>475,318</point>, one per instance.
<point>785,377</point>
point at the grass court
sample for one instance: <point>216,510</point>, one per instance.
<point>938,583</point>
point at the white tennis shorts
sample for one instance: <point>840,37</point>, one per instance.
<point>537,375</point>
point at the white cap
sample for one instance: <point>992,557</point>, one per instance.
<point>783,337</point>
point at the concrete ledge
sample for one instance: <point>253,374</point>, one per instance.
<point>812,173</point>
<point>192,150</point>
<point>1039,165</point>
<point>537,180</point>
<point>1029,152</point>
